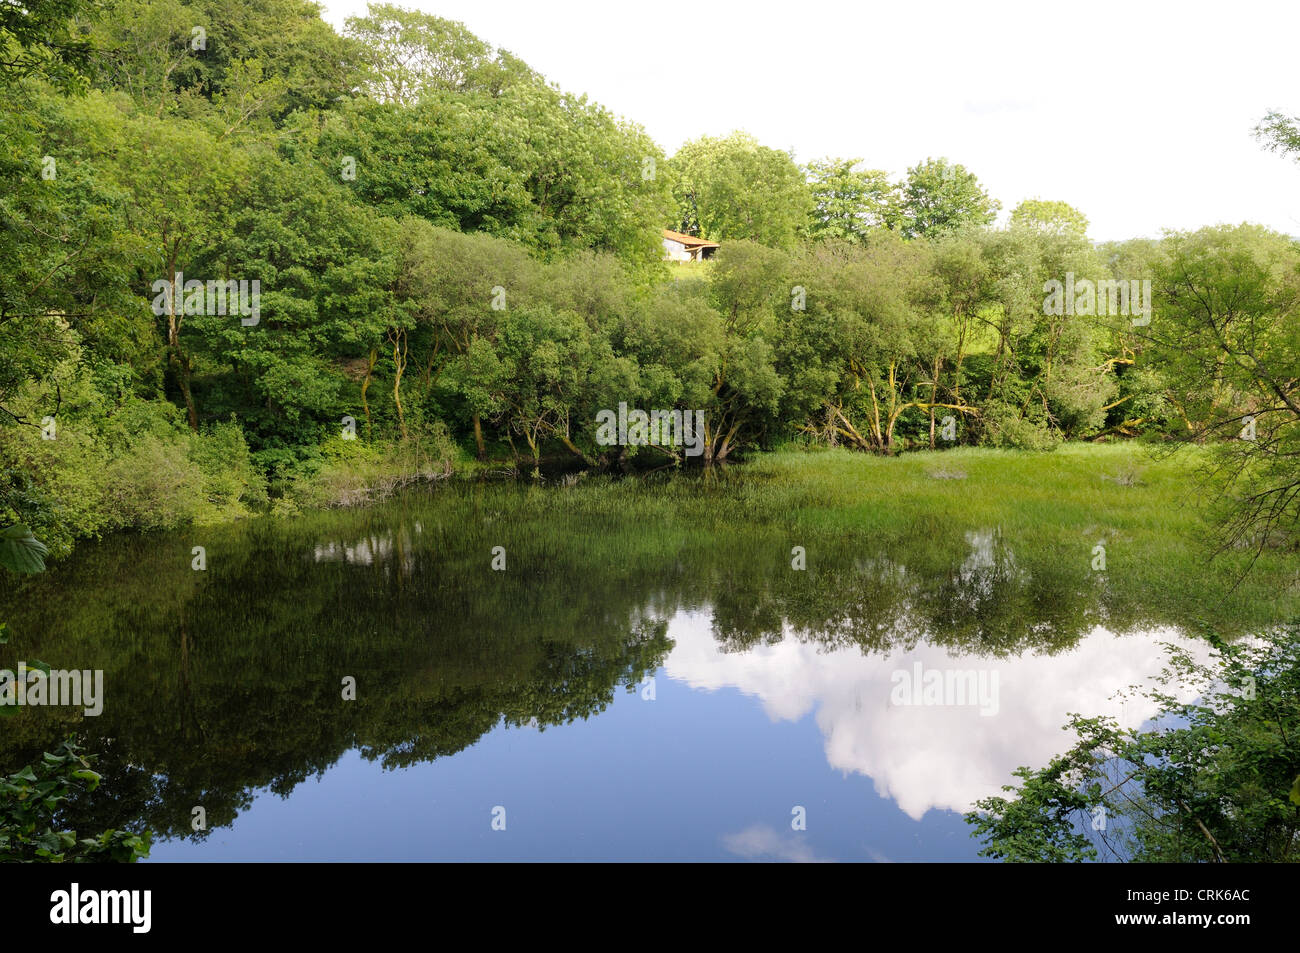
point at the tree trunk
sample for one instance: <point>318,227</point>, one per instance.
<point>564,439</point>
<point>478,438</point>
<point>176,357</point>
<point>365,386</point>
<point>399,365</point>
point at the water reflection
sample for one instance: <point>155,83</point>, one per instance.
<point>224,683</point>
<point>372,548</point>
<point>761,842</point>
<point>927,756</point>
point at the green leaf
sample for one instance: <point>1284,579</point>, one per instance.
<point>87,775</point>
<point>20,551</point>
<point>1295,791</point>
<point>49,841</point>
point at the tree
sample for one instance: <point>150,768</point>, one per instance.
<point>64,253</point>
<point>1280,133</point>
<point>861,338</point>
<point>409,54</point>
<point>41,38</point>
<point>748,285</point>
<point>457,289</point>
<point>1047,378</point>
<point>939,196</point>
<point>552,367</point>
<point>327,267</point>
<point>256,61</point>
<point>849,202</point>
<point>181,184</point>
<point>1227,335</point>
<point>733,187</point>
<point>442,159</point>
<point>965,290</point>
<point>1055,218</point>
<point>595,179</point>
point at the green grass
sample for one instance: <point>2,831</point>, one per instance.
<point>690,269</point>
<point>1050,511</point>
<point>1079,486</point>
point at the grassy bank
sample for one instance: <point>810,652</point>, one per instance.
<point>930,511</point>
<point>1151,515</point>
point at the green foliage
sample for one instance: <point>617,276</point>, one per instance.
<point>1005,426</point>
<point>733,187</point>
<point>1279,133</point>
<point>1229,349</point>
<point>940,196</point>
<point>118,463</point>
<point>31,801</point>
<point>38,38</point>
<point>353,473</point>
<point>849,203</point>
<point>1041,824</point>
<point>409,54</point>
<point>253,64</point>
<point>1049,216</point>
<point>450,249</point>
<point>20,551</point>
<point>1211,782</point>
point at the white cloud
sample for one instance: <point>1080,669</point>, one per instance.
<point>761,842</point>
<point>925,757</point>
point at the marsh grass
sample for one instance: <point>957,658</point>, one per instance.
<point>1151,513</point>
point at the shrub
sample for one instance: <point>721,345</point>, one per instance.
<point>154,486</point>
<point>1005,427</point>
<point>355,472</point>
<point>232,483</point>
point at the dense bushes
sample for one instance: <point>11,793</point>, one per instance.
<point>465,262</point>
<point>353,472</point>
<point>131,464</point>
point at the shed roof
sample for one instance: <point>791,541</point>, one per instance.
<point>690,241</point>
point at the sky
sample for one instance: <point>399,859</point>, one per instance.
<point>1140,114</point>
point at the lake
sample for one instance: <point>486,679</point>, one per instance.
<point>627,670</point>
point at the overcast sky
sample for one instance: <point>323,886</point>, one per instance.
<point>1138,113</point>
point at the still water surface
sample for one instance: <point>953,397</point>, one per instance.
<point>622,690</point>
